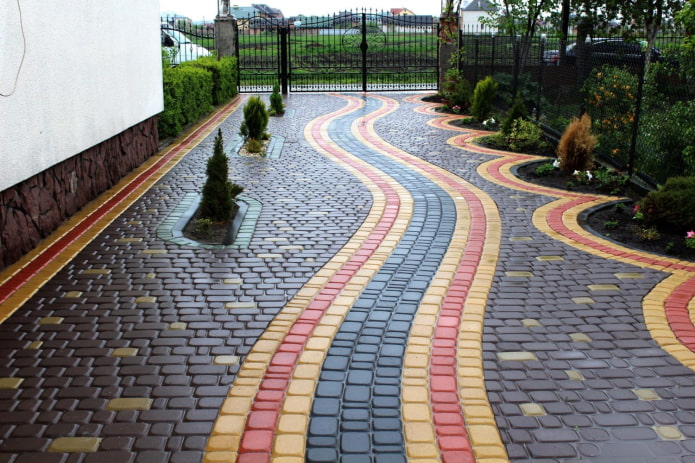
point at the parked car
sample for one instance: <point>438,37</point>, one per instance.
<point>179,48</point>
<point>604,51</point>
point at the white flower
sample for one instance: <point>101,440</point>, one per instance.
<point>492,120</point>
<point>485,123</point>
<point>576,172</point>
<point>556,164</point>
<point>588,175</point>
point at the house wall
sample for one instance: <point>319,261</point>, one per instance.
<point>80,90</point>
<point>84,71</point>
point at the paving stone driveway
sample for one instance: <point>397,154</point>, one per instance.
<point>403,298</point>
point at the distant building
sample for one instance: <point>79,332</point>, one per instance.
<point>401,12</point>
<point>473,12</point>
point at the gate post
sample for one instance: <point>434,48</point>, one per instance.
<point>226,35</point>
<point>363,47</point>
<point>284,74</point>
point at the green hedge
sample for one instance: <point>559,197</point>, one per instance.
<point>192,89</point>
<point>224,76</point>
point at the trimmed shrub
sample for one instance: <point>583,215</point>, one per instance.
<point>671,206</point>
<point>219,192</point>
<point>255,119</point>
<point>458,90</point>
<point>483,96</point>
<point>576,147</point>
<point>187,97</point>
<point>224,76</point>
<point>276,106</point>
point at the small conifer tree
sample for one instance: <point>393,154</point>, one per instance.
<point>255,119</point>
<point>576,146</point>
<point>218,192</point>
<point>483,96</point>
<point>276,106</point>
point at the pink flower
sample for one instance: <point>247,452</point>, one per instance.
<point>636,209</point>
<point>690,235</point>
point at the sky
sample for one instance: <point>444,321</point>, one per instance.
<point>198,10</point>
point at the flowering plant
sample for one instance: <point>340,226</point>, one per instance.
<point>690,239</point>
<point>489,121</point>
<point>456,109</point>
<point>636,213</point>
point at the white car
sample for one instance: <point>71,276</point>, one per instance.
<point>179,48</point>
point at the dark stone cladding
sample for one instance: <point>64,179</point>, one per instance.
<point>32,209</point>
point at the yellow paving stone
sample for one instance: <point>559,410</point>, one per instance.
<point>530,323</point>
<point>416,412</point>
<point>135,222</point>
<point>520,238</point>
<point>220,457</point>
<point>73,294</point>
<point>416,361</point>
<point>549,258</point>
<point>145,300</point>
<point>243,391</point>
<point>574,375</point>
<point>226,360</point>
<point>129,403</point>
<point>124,352</point>
<point>236,405</point>
<point>531,409</point>
<point>629,276</point>
<point>416,394</point>
<point>75,445</point>
<point>35,345</point>
<point>289,445</point>
<point>603,288</point>
<point>150,276</point>
<point>306,371</point>
<point>288,459</point>
<point>229,424</point>
<point>240,305</point>
<point>418,432</point>
<point>51,321</point>
<point>10,383</point>
<point>233,281</point>
<point>519,274</point>
<point>516,356</point>
<point>178,326</point>
<point>579,337</point>
<point>419,451</point>
<point>129,240</point>
<point>293,423</point>
<point>302,387</point>
<point>153,251</point>
<point>483,435</point>
<point>96,271</point>
<point>583,300</point>
<point>316,343</point>
<point>669,432</point>
<point>222,443</point>
<point>314,357</point>
<point>646,394</point>
<point>490,454</point>
<point>297,404</point>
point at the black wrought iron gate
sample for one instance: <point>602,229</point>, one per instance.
<point>344,52</point>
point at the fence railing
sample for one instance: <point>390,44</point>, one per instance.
<point>636,110</point>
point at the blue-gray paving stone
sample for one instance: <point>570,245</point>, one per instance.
<point>336,362</point>
<point>321,455</point>
<point>355,426</point>
<point>390,350</point>
<point>359,377</point>
<point>356,459</point>
<point>323,426</point>
<point>357,414</point>
<point>354,442</point>
<point>357,393</point>
<point>395,457</point>
<point>332,389</point>
<point>325,406</point>
<point>387,424</point>
<point>322,441</point>
<point>387,438</point>
<point>394,391</point>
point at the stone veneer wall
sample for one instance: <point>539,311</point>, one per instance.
<point>32,209</point>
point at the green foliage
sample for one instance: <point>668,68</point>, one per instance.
<point>647,233</point>
<point>224,76</point>
<point>219,192</point>
<point>254,146</point>
<point>545,169</point>
<point>457,90</point>
<point>526,91</point>
<point>276,105</point>
<point>255,119</point>
<point>203,227</point>
<point>483,96</point>
<point>517,111</point>
<point>620,207</point>
<point>685,18</point>
<point>576,146</point>
<point>610,94</point>
<point>523,136</point>
<point>187,97</point>
<point>671,206</point>
<point>611,224</point>
<point>667,148</point>
<point>611,182</point>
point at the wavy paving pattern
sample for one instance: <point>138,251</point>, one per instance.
<point>373,336</point>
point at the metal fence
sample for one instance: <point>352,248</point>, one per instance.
<point>636,113</point>
<point>184,41</point>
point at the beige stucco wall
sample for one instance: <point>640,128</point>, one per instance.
<point>73,73</point>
